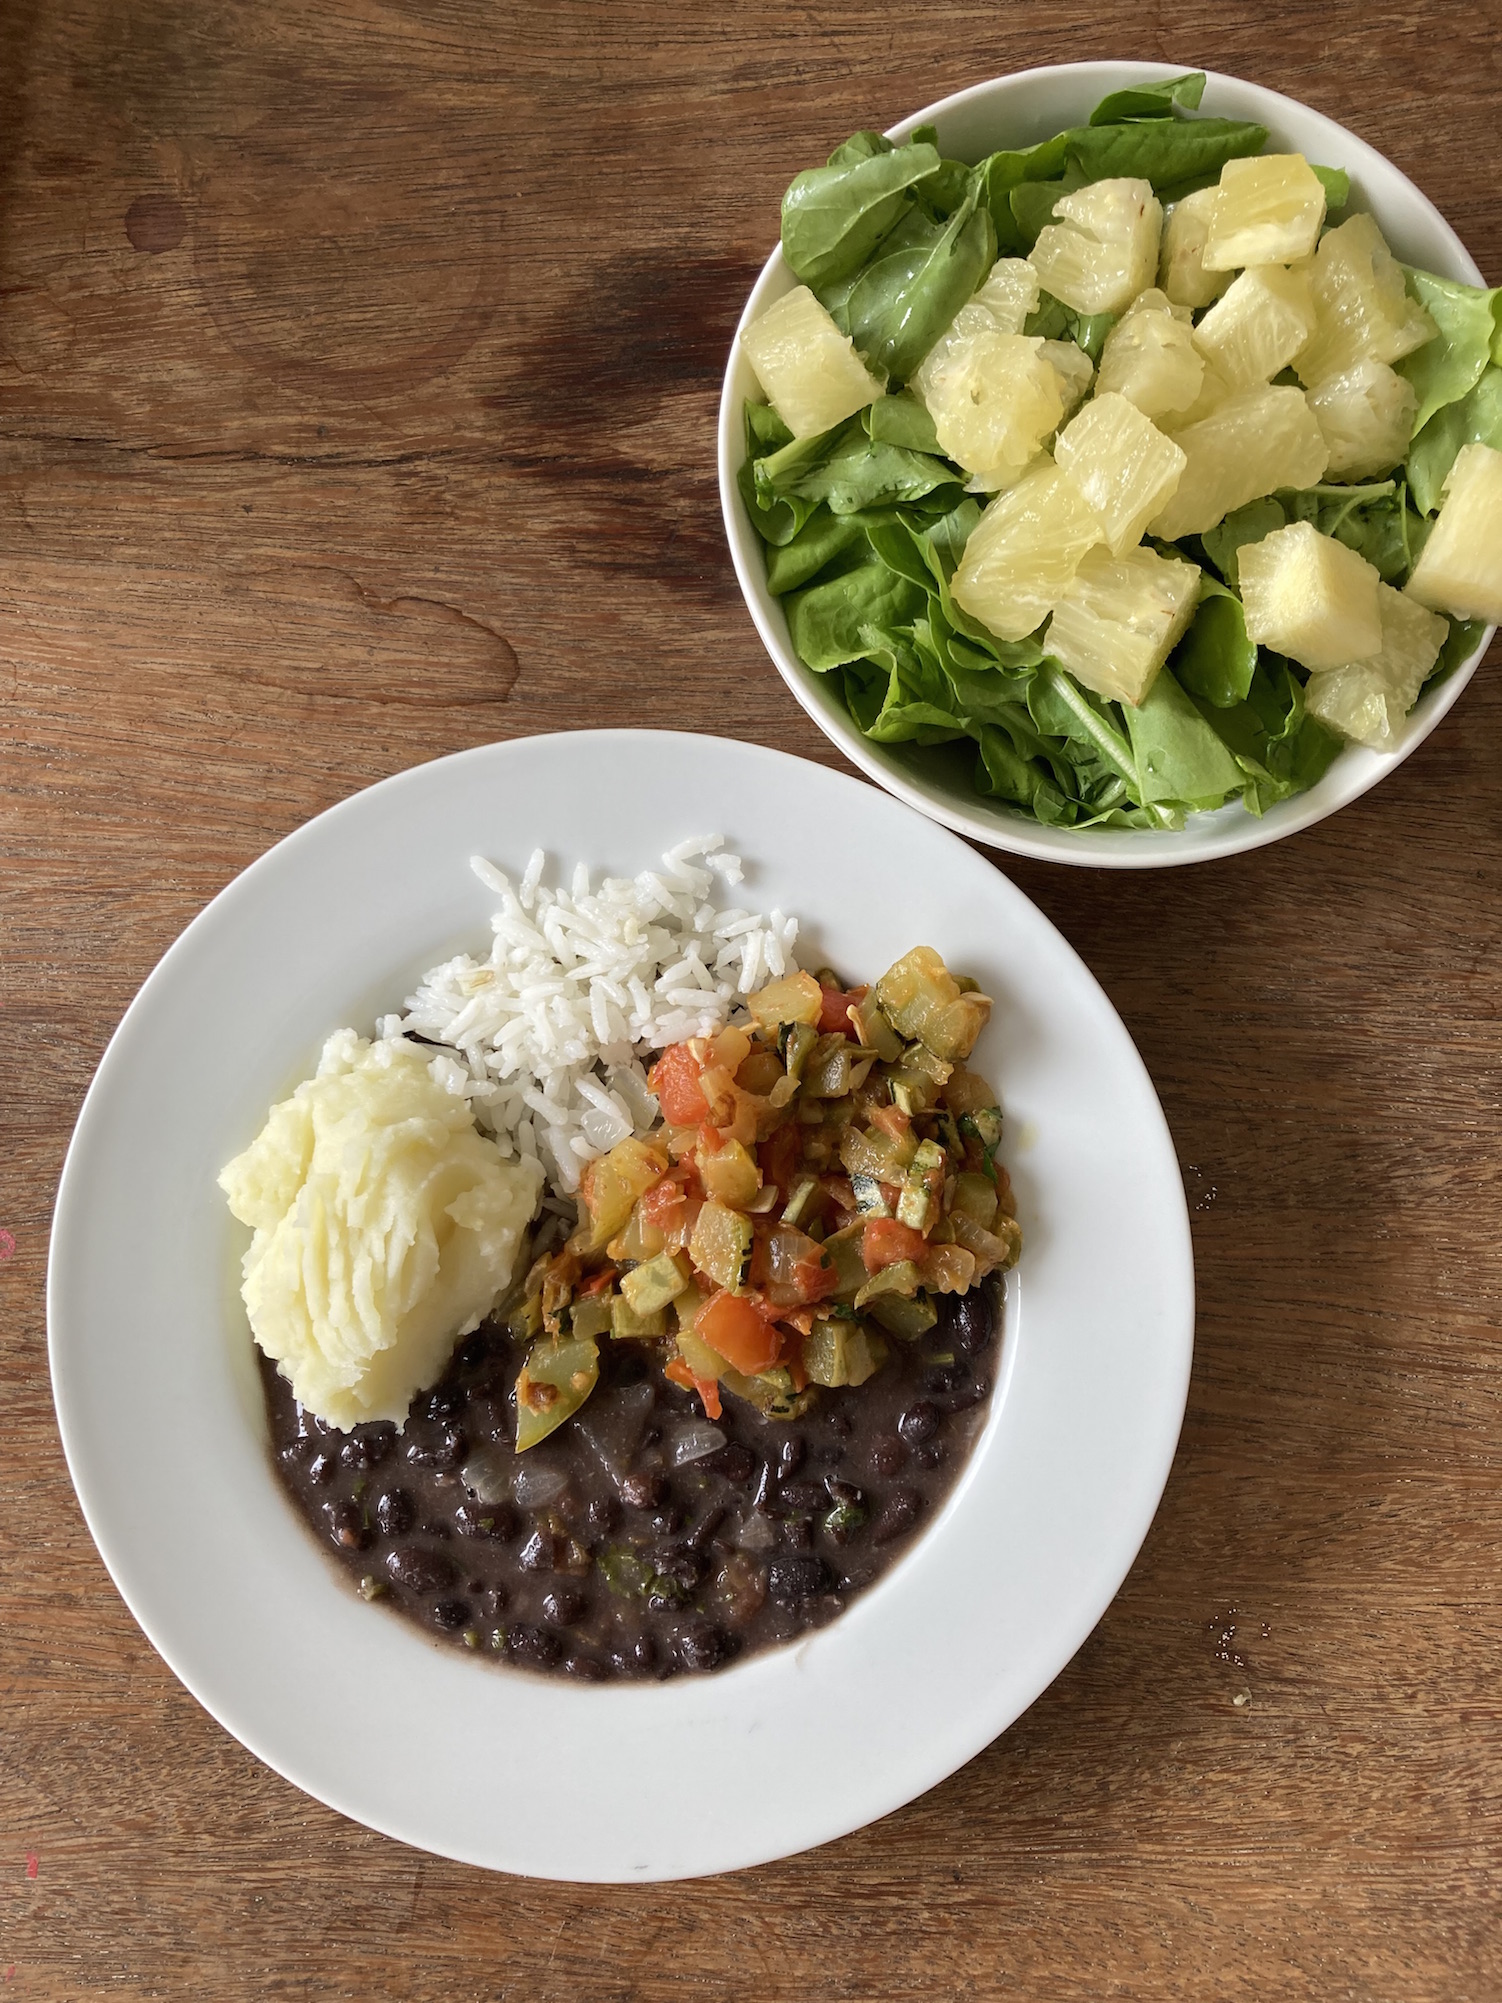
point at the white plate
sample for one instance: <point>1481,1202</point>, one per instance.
<point>160,1407</point>
<point>1019,110</point>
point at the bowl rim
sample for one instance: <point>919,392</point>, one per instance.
<point>1230,829</point>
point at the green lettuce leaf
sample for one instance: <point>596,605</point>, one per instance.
<point>833,217</point>
<point>901,420</point>
<point>1475,420</point>
<point>1180,758</point>
<point>906,297</point>
<point>1151,100</point>
<point>1470,330</point>
<point>1215,661</point>
<point>841,619</point>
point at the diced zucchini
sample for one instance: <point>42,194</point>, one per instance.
<point>653,1285</point>
<point>875,1031</point>
<point>842,1250</point>
<point>918,1057</point>
<point>800,1196</point>
<point>704,1362</point>
<point>869,1199</point>
<point>867,1151</point>
<point>688,1304</point>
<point>611,1186</point>
<point>721,1245</point>
<point>975,1198</point>
<point>985,1124</point>
<point>902,1277</point>
<point>730,1175</point>
<point>923,1002</point>
<point>771,1392</point>
<point>627,1325</point>
<point>796,998</point>
<point>592,1315</point>
<point>922,1188</point>
<point>554,1382</point>
<point>994,1250</point>
<point>640,1240</point>
<point>904,1317</point>
<point>838,1352</point>
<point>826,1071</point>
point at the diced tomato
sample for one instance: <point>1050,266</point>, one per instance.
<point>735,1325</point>
<point>834,1010</point>
<point>678,1372</point>
<point>885,1242</point>
<point>597,1283</point>
<point>660,1201</point>
<point>795,1367</point>
<point>892,1120</point>
<point>778,1157</point>
<point>675,1080</point>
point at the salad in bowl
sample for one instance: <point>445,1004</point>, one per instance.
<point>1125,493</point>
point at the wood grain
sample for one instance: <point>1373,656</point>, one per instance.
<point>358,369</point>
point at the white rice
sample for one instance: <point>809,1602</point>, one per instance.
<point>546,1038</point>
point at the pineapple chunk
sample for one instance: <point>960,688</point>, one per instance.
<point>1259,326</point>
<point>1368,699</point>
<point>1105,249</point>
<point>1362,307</point>
<point>1254,443</point>
<point>1460,567</point>
<point>1122,464</point>
<point>1367,416</point>
<point>1121,618</point>
<point>1024,551</point>
<point>810,371</point>
<point>994,401</point>
<point>1150,357</point>
<point>1268,210</point>
<point>1309,597</point>
<point>1075,371</point>
<point>1001,306</point>
<point>1181,270</point>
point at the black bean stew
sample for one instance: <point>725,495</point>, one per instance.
<point>640,1540</point>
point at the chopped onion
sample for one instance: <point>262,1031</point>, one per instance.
<point>613,1424</point>
<point>488,1476</point>
<point>537,1483</point>
<point>757,1532</point>
<point>692,1442</point>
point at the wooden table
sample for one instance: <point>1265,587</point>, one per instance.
<point>358,372</point>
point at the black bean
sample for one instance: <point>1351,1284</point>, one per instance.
<point>563,1606</point>
<point>887,1456</point>
<point>583,1669</point>
<point>837,1421</point>
<point>420,1571</point>
<point>919,1422</point>
<point>972,1322</point>
<point>539,1551</point>
<point>703,1646</point>
<point>734,1462</point>
<point>321,1469</point>
<point>444,1452</point>
<point>684,1566</point>
<point>665,1521</point>
<point>637,1658</point>
<point>452,1614</point>
<point>929,1455</point>
<point>644,1491</point>
<point>493,1600</point>
<point>486,1519</point>
<point>798,1534</point>
<point>802,1496</point>
<point>490,1419</point>
<point>790,1456</point>
<point>474,1350</point>
<point>790,1581</point>
<point>367,1448</point>
<point>443,1403</point>
<point>394,1513</point>
<point>942,1377</point>
<point>845,1493</point>
<point>346,1523</point>
<point>897,1514</point>
<point>603,1513</point>
<point>705,1528</point>
<point>966,1395</point>
<point>533,1647</point>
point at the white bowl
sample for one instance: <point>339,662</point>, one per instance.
<point>1018,111</point>
<point>160,1405</point>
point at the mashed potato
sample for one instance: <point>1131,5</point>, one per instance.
<point>385,1228</point>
